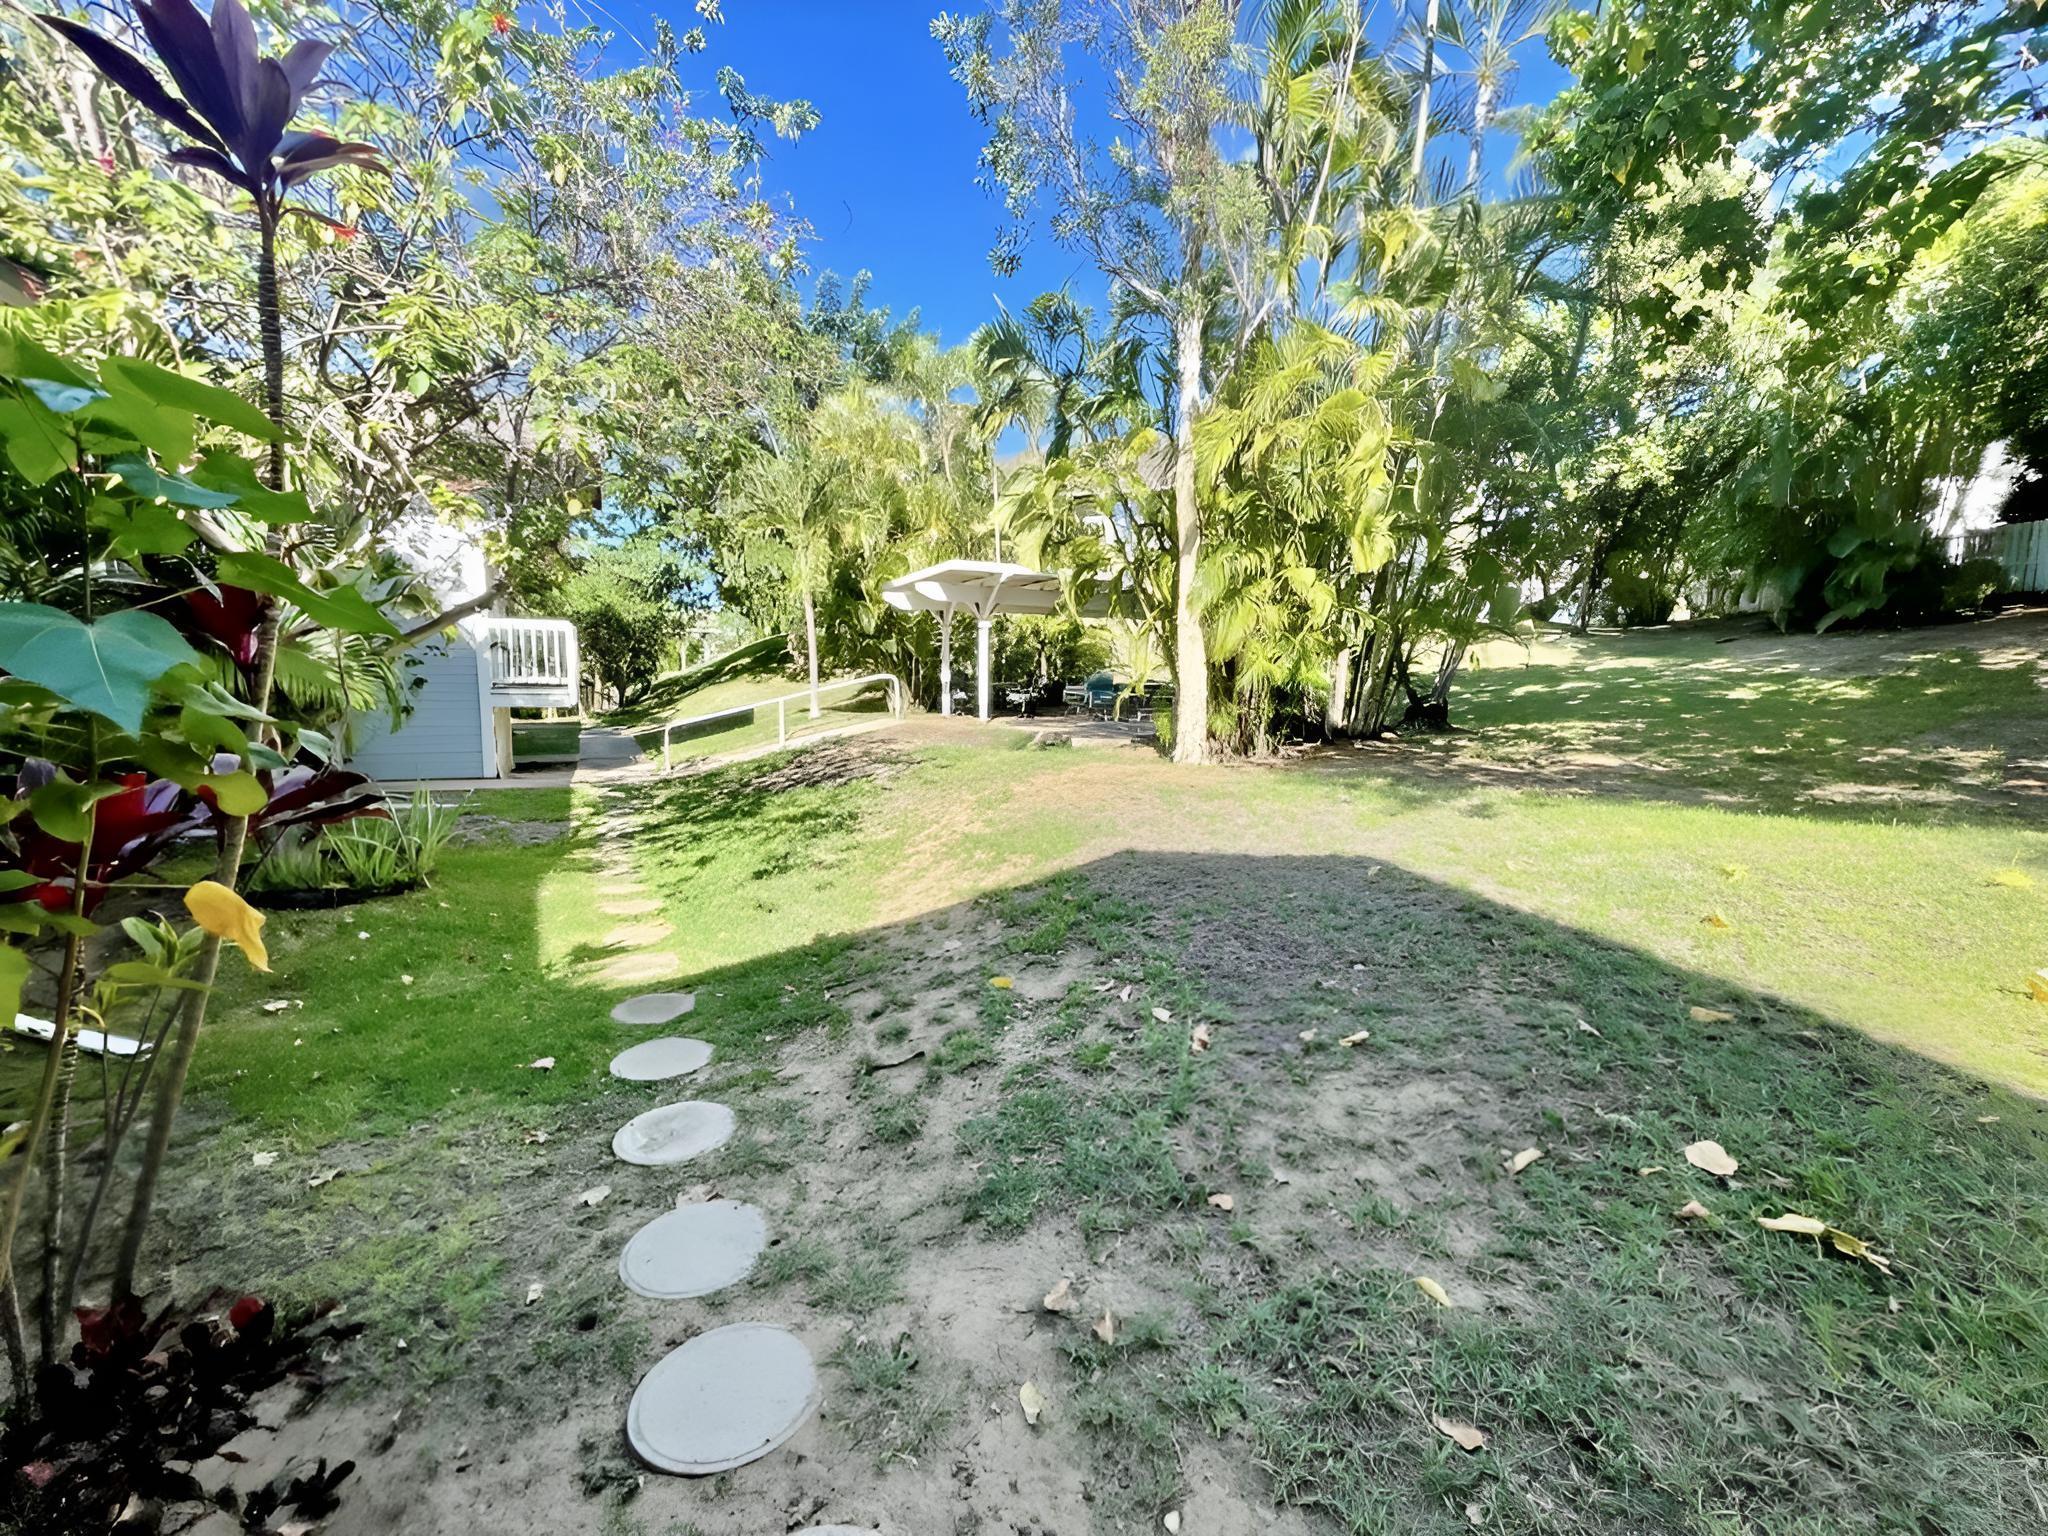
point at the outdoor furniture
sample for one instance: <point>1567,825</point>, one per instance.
<point>1098,694</point>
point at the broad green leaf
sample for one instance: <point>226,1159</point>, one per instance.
<point>137,527</point>
<point>343,608</point>
<point>63,398</point>
<point>13,972</point>
<point>221,471</point>
<point>60,807</point>
<point>106,669</point>
<point>16,880</point>
<point>206,401</point>
<point>38,446</point>
<point>238,793</point>
<point>23,357</point>
<point>142,477</point>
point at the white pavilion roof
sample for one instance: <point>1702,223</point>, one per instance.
<point>984,588</point>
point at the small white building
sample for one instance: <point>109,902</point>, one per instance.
<point>464,684</point>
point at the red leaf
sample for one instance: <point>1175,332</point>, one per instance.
<point>246,1311</point>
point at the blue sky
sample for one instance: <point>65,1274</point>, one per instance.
<point>887,179</point>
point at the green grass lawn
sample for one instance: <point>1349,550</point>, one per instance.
<point>1602,961</point>
<point>545,738</point>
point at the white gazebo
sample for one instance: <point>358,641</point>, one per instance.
<point>982,588</point>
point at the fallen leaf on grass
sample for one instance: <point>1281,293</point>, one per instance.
<point>1359,1038</point>
<point>1032,1401</point>
<point>1711,1157</point>
<point>535,1138</point>
<point>1734,871</point>
<point>1171,1520</point>
<point>263,1159</point>
<point>1701,1015</point>
<point>1125,995</point>
<point>1433,1291</point>
<point>1644,1173</point>
<point>534,1292</point>
<point>1693,1210</point>
<point>1061,1297</point>
<point>1792,1221</point>
<point>1522,1159</point>
<point>325,1176</point>
<point>541,1064</point>
<point>1163,1015</point>
<point>1716,920</point>
<point>279,1004</point>
<point>1587,1029</point>
<point>2012,879</point>
<point>594,1197</point>
<point>1856,1248</point>
<point>404,980</point>
<point>1106,1329</point>
<point>1306,1036</point>
<point>1467,1437</point>
<point>1002,983</point>
<point>1987,1119</point>
<point>1198,1038</point>
<point>1223,1202</point>
<point>2037,986</point>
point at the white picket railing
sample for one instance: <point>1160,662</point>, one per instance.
<point>534,662</point>
<point>781,708</point>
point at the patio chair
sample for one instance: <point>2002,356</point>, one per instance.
<point>1098,694</point>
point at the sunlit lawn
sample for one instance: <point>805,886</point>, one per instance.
<point>1527,963</point>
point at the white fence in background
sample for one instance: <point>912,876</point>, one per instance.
<point>2022,548</point>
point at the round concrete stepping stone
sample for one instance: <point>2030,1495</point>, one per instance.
<point>724,1399</point>
<point>630,906</point>
<point>674,1133</point>
<point>652,1061</point>
<point>638,935</point>
<point>654,1008</point>
<point>694,1250</point>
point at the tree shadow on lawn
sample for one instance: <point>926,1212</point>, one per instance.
<point>1945,732</point>
<point>1633,1370</point>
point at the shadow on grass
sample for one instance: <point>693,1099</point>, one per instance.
<point>1634,1370</point>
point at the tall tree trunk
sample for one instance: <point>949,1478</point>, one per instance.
<point>235,833</point>
<point>1190,648</point>
<point>811,646</point>
<point>1421,134</point>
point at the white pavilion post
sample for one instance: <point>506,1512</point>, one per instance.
<point>945,618</point>
<point>981,627</point>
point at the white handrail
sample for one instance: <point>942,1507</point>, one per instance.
<point>782,708</point>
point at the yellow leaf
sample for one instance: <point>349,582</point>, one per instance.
<point>1002,983</point>
<point>1856,1248</point>
<point>1223,1202</point>
<point>226,916</point>
<point>1712,1157</point>
<point>1523,1159</point>
<point>2037,986</point>
<point>1032,1401</point>
<point>1710,1016</point>
<point>1716,920</point>
<point>1433,1291</point>
<point>1467,1437</point>
<point>1360,1038</point>
<point>1734,871</point>
<point>2012,879</point>
<point>1694,1211</point>
<point>1061,1297</point>
<point>1792,1221</point>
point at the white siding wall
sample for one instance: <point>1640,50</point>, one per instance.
<point>445,735</point>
